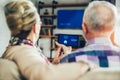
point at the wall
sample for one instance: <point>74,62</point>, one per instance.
<point>117,32</point>
<point>4,34</point>
<point>4,31</point>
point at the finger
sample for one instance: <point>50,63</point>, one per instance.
<point>58,44</point>
<point>70,48</point>
<point>66,49</point>
<point>58,51</point>
<point>61,54</point>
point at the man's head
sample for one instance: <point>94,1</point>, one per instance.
<point>99,19</point>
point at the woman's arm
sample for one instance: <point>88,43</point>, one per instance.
<point>33,67</point>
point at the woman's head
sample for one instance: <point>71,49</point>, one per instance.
<point>21,16</point>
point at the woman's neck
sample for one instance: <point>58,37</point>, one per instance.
<point>32,37</point>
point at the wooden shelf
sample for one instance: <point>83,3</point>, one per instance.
<point>48,26</point>
<point>64,5</point>
<point>49,15</point>
<point>47,36</point>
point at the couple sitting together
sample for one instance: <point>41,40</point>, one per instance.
<point>23,21</point>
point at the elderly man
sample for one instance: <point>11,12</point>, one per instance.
<point>99,22</point>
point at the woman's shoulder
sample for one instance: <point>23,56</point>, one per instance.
<point>12,51</point>
<point>20,48</point>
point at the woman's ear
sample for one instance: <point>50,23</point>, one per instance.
<point>35,28</point>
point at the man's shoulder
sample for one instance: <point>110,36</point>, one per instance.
<point>94,53</point>
<point>89,54</point>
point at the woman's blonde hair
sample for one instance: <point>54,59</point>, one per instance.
<point>21,16</point>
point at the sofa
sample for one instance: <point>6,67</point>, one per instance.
<point>11,72</point>
<point>102,74</point>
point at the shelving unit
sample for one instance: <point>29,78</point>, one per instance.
<point>64,4</point>
<point>52,15</point>
<point>48,25</point>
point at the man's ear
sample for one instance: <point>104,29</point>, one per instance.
<point>84,28</point>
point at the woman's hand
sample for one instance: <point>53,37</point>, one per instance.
<point>57,56</point>
<point>64,49</point>
<point>61,50</point>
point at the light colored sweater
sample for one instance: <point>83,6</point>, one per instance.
<point>34,67</point>
<point>9,70</point>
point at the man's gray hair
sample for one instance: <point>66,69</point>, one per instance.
<point>100,14</point>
